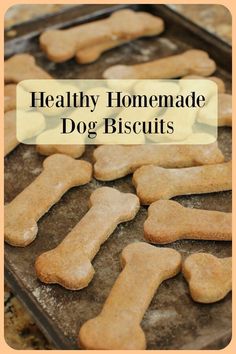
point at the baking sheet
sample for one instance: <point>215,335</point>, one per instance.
<point>173,320</point>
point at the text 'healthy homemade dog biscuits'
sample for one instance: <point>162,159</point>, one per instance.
<point>112,162</point>
<point>196,62</point>
<point>118,324</point>
<point>169,221</point>
<point>95,37</point>
<point>22,214</point>
<point>23,67</point>
<point>69,264</point>
<point>153,183</point>
<point>104,112</point>
<point>209,277</point>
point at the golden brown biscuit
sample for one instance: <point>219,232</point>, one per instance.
<point>60,173</point>
<point>115,161</point>
<point>23,67</point>
<point>62,45</point>
<point>193,61</point>
<point>153,183</point>
<point>169,221</point>
<point>69,264</point>
<point>209,277</point>
<point>118,325</point>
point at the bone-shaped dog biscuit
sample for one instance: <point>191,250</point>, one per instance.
<point>69,264</point>
<point>74,151</point>
<point>23,67</point>
<point>169,221</point>
<point>61,45</point>
<point>60,173</point>
<point>118,325</point>
<point>190,62</point>
<point>209,277</point>
<point>115,161</point>
<point>153,183</point>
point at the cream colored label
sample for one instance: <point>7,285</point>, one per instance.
<point>117,111</point>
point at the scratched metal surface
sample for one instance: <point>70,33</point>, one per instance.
<point>173,320</point>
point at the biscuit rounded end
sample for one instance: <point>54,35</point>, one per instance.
<point>19,234</point>
<point>101,334</point>
<point>124,206</point>
<point>163,224</point>
<point>54,267</point>
<point>201,64</point>
<point>209,277</point>
<point>111,162</point>
<point>152,183</point>
<point>78,171</point>
<point>167,260</point>
<point>57,45</point>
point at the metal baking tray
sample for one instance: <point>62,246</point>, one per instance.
<point>173,320</point>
